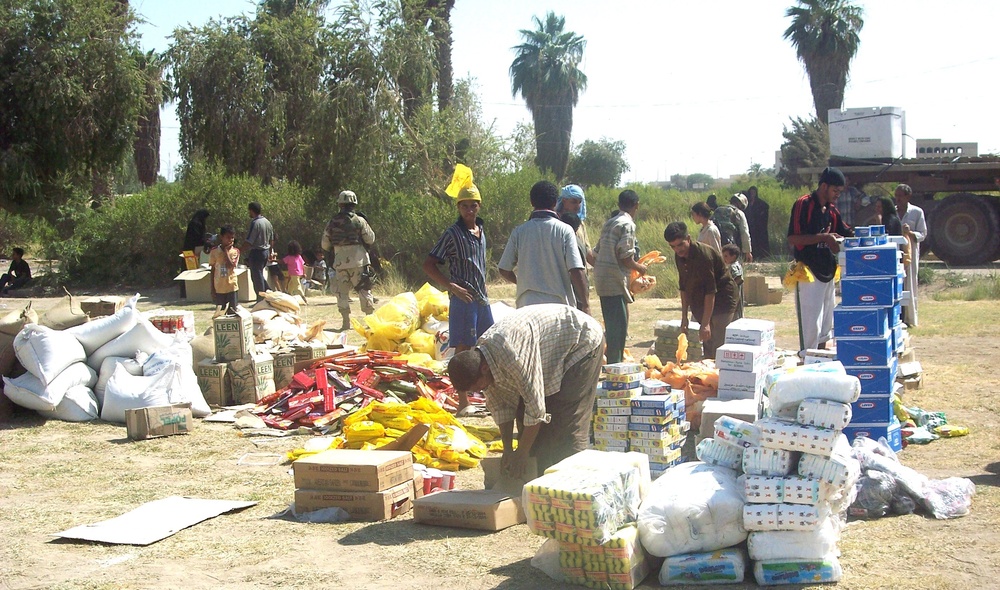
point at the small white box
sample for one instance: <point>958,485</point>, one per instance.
<point>743,357</point>
<point>749,382</point>
<point>750,331</point>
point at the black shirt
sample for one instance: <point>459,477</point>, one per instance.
<point>810,217</point>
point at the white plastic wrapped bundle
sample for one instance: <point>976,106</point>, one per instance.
<point>793,545</point>
<point>801,571</point>
<point>763,461</point>
<point>583,506</point>
<point>805,490</point>
<point>736,432</point>
<point>824,413</point>
<point>45,352</point>
<point>620,563</point>
<point>95,334</point>
<point>692,507</point>
<point>143,336</point>
<point>716,453</point>
<point>717,567</point>
<point>835,367</point>
<point>782,517</point>
<point>790,436</point>
<point>788,390</point>
<point>28,391</point>
<point>838,469</point>
<point>762,489</point>
<point>78,405</point>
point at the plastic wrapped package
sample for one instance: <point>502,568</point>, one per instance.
<point>824,413</point>
<point>727,566</point>
<point>789,389</point>
<point>835,367</point>
<point>838,469</point>
<point>942,498</point>
<point>583,506</point>
<point>692,507</point>
<point>721,454</point>
<point>792,489</point>
<point>736,432</point>
<point>620,563</point>
<point>874,497</point>
<point>783,517</point>
<point>793,545</point>
<point>790,436</point>
<point>784,571</point>
<point>902,503</point>
<point>763,461</point>
<point>763,489</point>
<point>595,459</point>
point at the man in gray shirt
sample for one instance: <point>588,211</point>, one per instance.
<point>545,253</point>
<point>258,246</point>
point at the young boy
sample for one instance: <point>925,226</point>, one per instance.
<point>18,275</point>
<point>223,260</point>
<point>463,247</point>
<point>731,255</point>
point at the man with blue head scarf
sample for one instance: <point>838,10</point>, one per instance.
<point>572,200</point>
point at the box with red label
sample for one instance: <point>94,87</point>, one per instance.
<point>743,357</point>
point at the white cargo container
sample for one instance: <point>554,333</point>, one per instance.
<point>874,133</point>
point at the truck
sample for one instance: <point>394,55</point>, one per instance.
<point>963,223</point>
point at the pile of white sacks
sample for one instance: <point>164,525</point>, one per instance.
<point>101,368</point>
<point>782,484</point>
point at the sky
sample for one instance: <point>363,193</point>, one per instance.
<point>702,87</point>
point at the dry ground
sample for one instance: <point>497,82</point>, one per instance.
<point>56,475</point>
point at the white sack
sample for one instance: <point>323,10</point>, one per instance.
<point>788,390</point>
<point>128,392</point>
<point>692,507</point>
<point>796,544</point>
<point>142,337</point>
<point>108,369</point>
<point>178,357</point>
<point>78,405</point>
<point>45,352</point>
<point>97,333</point>
<point>28,391</point>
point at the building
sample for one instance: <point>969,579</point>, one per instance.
<point>936,149</point>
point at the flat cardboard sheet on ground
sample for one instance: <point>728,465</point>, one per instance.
<point>153,521</point>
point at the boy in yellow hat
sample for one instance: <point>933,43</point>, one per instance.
<point>463,247</point>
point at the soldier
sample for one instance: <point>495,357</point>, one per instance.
<point>348,237</point>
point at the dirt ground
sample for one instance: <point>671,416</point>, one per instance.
<point>56,475</point>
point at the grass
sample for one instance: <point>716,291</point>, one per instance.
<point>965,288</point>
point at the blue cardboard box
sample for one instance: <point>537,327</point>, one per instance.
<point>853,322</point>
<point>896,333</point>
<point>870,291</point>
<point>875,379</point>
<point>890,431</point>
<point>874,261</point>
<point>866,352</point>
<point>872,409</point>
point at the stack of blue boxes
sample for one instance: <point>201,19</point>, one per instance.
<point>868,330</point>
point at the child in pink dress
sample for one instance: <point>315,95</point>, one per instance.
<point>296,269</point>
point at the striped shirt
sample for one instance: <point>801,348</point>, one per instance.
<point>617,242</point>
<point>466,257</point>
<point>529,352</point>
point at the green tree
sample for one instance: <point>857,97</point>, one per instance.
<point>807,145</point>
<point>598,163</point>
<point>545,72</point>
<point>700,180</point>
<point>825,36</point>
<point>146,145</point>
<point>71,93</point>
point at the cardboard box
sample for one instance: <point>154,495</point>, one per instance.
<point>469,509</point>
<point>742,357</point>
<point>156,421</point>
<point>284,368</point>
<point>418,484</point>
<point>865,352</point>
<point>750,383</point>
<point>876,261</point>
<point>252,378</point>
<point>198,286</point>
<point>382,505</point>
<point>96,307</point>
<point>492,471</point>
<point>748,410</point>
<point>310,351</point>
<point>351,470</point>
<point>869,291</point>
<point>853,322</point>
<point>750,331</point>
<point>213,379</point>
<point>233,336</point>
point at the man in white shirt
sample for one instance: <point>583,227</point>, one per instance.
<point>914,228</point>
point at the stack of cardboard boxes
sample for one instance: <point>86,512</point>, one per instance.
<point>368,485</point>
<point>869,332</point>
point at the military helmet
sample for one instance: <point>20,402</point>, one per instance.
<point>347,197</point>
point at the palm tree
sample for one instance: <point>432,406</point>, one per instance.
<point>825,36</point>
<point>146,145</point>
<point>545,72</point>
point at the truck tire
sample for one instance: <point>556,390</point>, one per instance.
<point>966,230</point>
<point>995,201</point>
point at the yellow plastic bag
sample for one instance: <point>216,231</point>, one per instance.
<point>364,430</point>
<point>462,178</point>
<point>422,342</point>
<point>432,302</point>
<point>395,320</point>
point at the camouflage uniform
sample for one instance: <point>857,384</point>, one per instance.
<point>347,236</point>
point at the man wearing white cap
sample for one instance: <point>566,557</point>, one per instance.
<point>349,236</point>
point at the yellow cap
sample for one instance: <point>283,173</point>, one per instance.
<point>469,193</point>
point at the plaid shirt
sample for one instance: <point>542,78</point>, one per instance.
<point>529,351</point>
